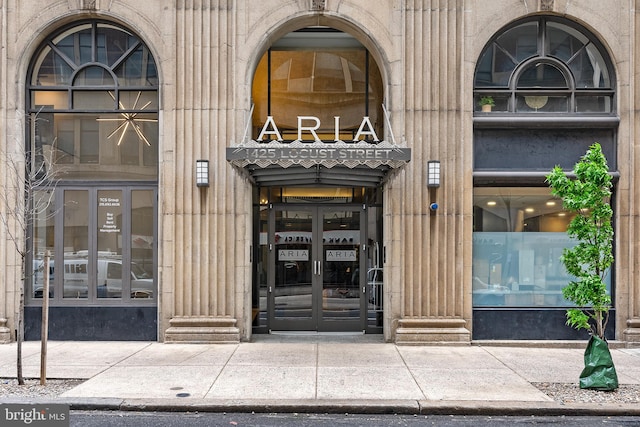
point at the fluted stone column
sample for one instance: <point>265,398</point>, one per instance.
<point>200,224</point>
<point>629,300</point>
<point>433,284</point>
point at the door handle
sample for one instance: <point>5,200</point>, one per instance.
<point>317,267</point>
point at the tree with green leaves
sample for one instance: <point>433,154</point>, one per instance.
<point>587,195</point>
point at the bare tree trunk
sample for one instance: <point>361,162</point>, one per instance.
<point>44,331</point>
<point>19,338</point>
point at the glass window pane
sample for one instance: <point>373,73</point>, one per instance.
<point>119,146</point>
<point>109,272</point>
<point>49,100</point>
<point>43,240</point>
<point>520,42</point>
<point>589,69</point>
<point>76,244</point>
<point>51,70</point>
<point>94,76</point>
<point>93,100</point>
<point>112,43</point>
<point>142,244</point>
<point>89,141</point>
<point>563,41</point>
<point>139,69</point>
<point>138,100</point>
<point>542,75</point>
<point>519,235</point>
<point>593,104</point>
<point>542,104</point>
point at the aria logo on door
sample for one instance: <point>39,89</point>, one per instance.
<point>341,255</point>
<point>293,255</point>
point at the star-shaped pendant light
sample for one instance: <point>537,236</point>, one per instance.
<point>129,120</point>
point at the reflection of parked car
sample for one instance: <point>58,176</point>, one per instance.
<point>374,284</point>
<point>109,279</point>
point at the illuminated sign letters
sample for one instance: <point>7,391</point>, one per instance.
<point>311,124</point>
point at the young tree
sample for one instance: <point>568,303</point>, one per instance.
<point>589,261</point>
<point>26,193</point>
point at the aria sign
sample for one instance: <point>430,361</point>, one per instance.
<point>270,148</point>
<point>270,128</point>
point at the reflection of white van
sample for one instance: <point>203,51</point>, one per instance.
<point>109,279</point>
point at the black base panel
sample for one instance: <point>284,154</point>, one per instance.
<point>529,324</point>
<point>94,323</point>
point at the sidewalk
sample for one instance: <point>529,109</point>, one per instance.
<point>316,374</point>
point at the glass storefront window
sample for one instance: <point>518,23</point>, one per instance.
<point>142,244</point>
<point>43,240</point>
<point>109,274</point>
<point>518,239</point>
<point>92,100</point>
<point>76,244</point>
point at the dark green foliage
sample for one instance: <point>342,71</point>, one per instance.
<point>588,196</point>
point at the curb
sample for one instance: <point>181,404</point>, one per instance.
<point>403,407</point>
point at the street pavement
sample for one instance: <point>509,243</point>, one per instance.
<point>317,373</point>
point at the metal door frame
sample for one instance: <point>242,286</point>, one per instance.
<point>316,323</point>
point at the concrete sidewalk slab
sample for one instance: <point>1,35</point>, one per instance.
<point>368,383</point>
<point>164,381</point>
<point>265,382</point>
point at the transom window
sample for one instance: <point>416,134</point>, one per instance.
<point>545,65</point>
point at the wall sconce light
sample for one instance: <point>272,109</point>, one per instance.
<point>202,173</point>
<point>433,173</point>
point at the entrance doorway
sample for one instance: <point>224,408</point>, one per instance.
<point>318,260</point>
<point>317,283</point>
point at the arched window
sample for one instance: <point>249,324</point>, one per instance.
<point>545,65</point>
<point>553,90</point>
<point>93,104</point>
<point>92,142</point>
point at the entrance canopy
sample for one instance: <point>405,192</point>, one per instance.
<point>318,163</point>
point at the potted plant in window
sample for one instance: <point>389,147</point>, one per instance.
<point>589,261</point>
<point>486,103</point>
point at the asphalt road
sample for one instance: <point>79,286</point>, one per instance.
<point>164,419</point>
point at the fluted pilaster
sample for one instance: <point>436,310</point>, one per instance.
<point>433,291</point>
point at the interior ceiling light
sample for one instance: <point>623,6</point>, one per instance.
<point>129,120</point>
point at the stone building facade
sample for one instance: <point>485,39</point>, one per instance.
<point>354,184</point>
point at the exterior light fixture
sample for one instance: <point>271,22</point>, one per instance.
<point>202,173</point>
<point>433,173</point>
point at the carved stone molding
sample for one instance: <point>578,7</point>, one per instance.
<point>318,5</point>
<point>546,5</point>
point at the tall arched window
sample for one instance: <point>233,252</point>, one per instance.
<point>552,90</point>
<point>92,102</point>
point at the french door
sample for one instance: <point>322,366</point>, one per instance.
<point>317,283</point>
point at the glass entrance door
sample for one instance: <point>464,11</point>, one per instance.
<point>317,281</point>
